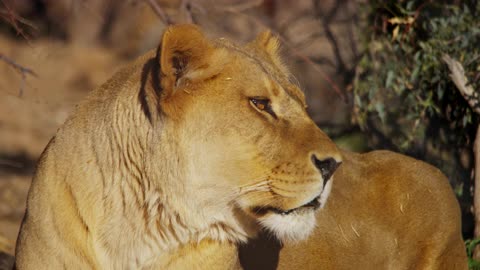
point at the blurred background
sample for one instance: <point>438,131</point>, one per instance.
<point>372,72</point>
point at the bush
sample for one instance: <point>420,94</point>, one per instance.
<point>403,93</point>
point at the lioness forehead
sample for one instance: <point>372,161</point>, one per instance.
<point>275,87</point>
<point>276,78</point>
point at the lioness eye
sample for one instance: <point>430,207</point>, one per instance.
<point>263,104</point>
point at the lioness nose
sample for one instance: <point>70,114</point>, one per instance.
<point>326,167</point>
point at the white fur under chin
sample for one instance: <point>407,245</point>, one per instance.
<point>295,227</point>
<point>292,227</point>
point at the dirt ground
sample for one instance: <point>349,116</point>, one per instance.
<point>90,48</point>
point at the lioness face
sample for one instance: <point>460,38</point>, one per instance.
<point>250,144</point>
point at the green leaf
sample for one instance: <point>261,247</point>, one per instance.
<point>379,107</point>
<point>415,73</point>
<point>389,80</point>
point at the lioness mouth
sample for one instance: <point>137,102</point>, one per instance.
<point>315,204</point>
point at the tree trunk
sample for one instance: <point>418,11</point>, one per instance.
<point>457,74</point>
<point>476,194</point>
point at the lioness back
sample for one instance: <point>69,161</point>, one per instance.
<point>386,211</point>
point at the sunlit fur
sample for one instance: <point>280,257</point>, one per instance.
<point>292,227</point>
<point>169,165</point>
<point>171,153</point>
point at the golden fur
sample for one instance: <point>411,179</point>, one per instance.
<point>202,145</point>
<point>385,211</point>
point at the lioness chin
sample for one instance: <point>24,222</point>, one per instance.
<point>197,147</point>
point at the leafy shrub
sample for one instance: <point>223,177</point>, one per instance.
<point>403,95</point>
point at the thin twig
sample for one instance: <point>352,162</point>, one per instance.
<point>298,54</point>
<point>160,12</point>
<point>316,67</point>
<point>243,6</point>
<point>12,18</point>
<point>351,35</point>
<point>23,71</point>
<point>7,15</point>
<point>10,163</point>
<point>321,60</point>
<point>17,66</point>
<point>290,22</point>
<point>325,20</point>
<point>187,7</point>
<point>308,40</point>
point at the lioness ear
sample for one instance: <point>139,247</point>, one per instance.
<point>186,56</point>
<point>270,45</point>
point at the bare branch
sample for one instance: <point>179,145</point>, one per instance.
<point>325,20</point>
<point>298,54</point>
<point>10,163</point>
<point>317,68</point>
<point>461,82</point>
<point>323,61</point>
<point>13,19</point>
<point>476,192</point>
<point>159,11</point>
<point>21,69</point>
<point>351,34</point>
<point>186,6</point>
<point>290,22</point>
<point>7,14</point>
<point>17,66</point>
<point>308,40</point>
<point>244,6</point>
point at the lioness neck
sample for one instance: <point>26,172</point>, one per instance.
<point>135,205</point>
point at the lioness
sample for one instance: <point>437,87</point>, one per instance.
<point>202,145</point>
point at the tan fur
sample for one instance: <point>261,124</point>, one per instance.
<point>374,219</point>
<point>171,165</point>
<point>386,211</point>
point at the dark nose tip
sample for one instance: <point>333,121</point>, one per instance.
<point>326,167</point>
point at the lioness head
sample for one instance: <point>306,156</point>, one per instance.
<point>247,146</point>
